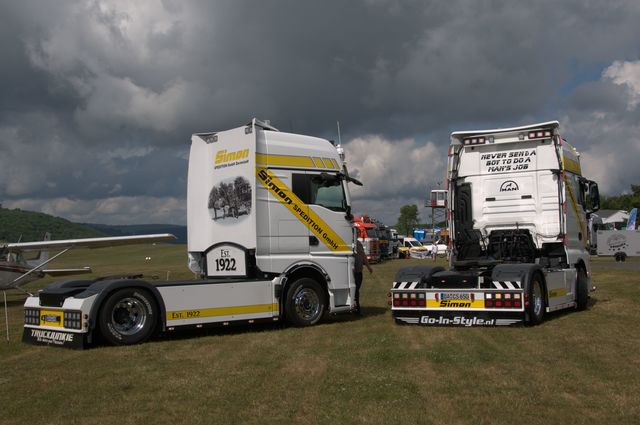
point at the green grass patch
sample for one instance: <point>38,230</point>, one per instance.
<point>577,367</point>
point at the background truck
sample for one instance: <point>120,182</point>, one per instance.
<point>269,234</point>
<point>518,208</point>
<point>367,233</point>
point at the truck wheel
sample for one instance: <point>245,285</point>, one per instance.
<point>536,301</point>
<point>305,302</point>
<point>582,290</point>
<point>128,316</point>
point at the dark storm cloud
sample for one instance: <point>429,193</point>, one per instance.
<point>99,98</point>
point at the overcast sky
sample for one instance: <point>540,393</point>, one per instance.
<point>99,98</point>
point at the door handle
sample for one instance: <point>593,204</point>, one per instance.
<point>313,241</point>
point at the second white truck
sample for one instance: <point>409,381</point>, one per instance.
<point>269,233</point>
<point>518,208</point>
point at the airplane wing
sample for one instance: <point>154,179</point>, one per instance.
<point>66,272</point>
<point>90,242</point>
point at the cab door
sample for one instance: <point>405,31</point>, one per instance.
<point>330,226</point>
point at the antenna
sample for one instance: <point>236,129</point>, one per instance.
<point>339,147</point>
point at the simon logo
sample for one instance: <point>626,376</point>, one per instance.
<point>223,156</point>
<point>509,186</point>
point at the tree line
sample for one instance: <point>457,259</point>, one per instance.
<point>28,226</point>
<point>626,201</point>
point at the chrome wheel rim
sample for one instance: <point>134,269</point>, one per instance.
<point>307,304</point>
<point>537,299</point>
<point>128,316</point>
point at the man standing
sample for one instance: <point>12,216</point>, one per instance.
<point>361,260</point>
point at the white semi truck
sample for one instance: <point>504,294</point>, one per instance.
<point>518,208</point>
<point>269,233</point>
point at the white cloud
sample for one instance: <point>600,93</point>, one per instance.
<point>626,74</point>
<point>104,52</point>
<point>394,173</point>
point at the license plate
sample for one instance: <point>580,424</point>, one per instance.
<point>456,296</point>
<point>51,318</point>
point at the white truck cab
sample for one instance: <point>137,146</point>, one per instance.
<point>269,235</point>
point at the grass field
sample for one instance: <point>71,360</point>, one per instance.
<point>576,368</point>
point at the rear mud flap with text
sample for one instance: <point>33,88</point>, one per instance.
<point>459,318</point>
<point>50,337</point>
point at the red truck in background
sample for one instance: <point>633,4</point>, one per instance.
<point>367,233</point>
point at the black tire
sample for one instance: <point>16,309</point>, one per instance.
<point>623,257</point>
<point>582,290</point>
<point>128,316</point>
<point>305,302</point>
<point>537,303</point>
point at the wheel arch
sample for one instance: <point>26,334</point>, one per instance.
<point>105,288</point>
<point>300,270</point>
<point>523,273</point>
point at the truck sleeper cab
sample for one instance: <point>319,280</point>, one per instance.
<point>517,208</point>
<point>269,235</point>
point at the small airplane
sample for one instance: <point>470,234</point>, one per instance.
<point>16,271</point>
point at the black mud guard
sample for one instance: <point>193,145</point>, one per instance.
<point>420,274</point>
<point>105,287</point>
<point>517,272</point>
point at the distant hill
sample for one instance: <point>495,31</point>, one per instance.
<point>141,229</point>
<point>28,226</point>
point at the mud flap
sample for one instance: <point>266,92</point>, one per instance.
<point>58,338</point>
<point>458,318</point>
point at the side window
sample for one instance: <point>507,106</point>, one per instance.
<point>311,189</point>
<point>300,187</point>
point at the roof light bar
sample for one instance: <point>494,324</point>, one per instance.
<point>474,141</point>
<point>539,134</point>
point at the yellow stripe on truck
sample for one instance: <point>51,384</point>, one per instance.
<point>571,165</point>
<point>574,207</point>
<point>221,311</point>
<point>284,161</point>
<point>301,211</point>
<point>295,161</point>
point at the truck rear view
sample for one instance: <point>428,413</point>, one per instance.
<point>518,208</point>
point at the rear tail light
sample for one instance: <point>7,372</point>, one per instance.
<point>31,316</point>
<point>73,319</point>
<point>409,299</point>
<point>503,300</point>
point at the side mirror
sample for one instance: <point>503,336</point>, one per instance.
<point>347,215</point>
<point>594,197</point>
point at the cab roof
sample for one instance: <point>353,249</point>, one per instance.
<point>458,135</point>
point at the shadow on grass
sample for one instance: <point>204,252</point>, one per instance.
<point>244,328</point>
<point>549,317</point>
